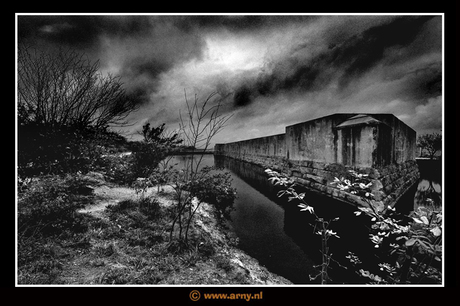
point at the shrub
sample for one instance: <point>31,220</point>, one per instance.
<point>118,169</point>
<point>49,205</point>
<point>154,148</point>
<point>46,217</point>
<point>319,224</point>
<point>214,188</point>
<point>409,248</point>
<point>195,187</point>
<point>59,149</point>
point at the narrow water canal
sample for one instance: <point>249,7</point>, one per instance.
<point>275,233</point>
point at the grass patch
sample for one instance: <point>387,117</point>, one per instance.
<point>128,245</point>
<point>49,228</point>
<point>48,206</point>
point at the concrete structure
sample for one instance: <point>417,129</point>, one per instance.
<point>316,151</point>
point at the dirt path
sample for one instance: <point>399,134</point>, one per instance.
<point>106,196</point>
<point>88,268</point>
<point>111,195</point>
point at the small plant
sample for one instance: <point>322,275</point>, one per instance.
<point>408,246</point>
<point>194,184</point>
<point>222,262</point>
<point>320,225</point>
<point>213,188</point>
<point>156,145</point>
<point>48,207</point>
<point>47,219</point>
<point>118,169</point>
<point>140,186</point>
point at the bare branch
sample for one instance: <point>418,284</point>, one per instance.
<point>66,88</point>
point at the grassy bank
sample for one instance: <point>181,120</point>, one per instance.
<point>105,234</point>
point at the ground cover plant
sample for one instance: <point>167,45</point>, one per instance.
<point>408,249</point>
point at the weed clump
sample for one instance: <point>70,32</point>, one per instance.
<point>48,206</point>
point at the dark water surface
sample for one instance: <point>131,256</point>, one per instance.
<point>280,237</point>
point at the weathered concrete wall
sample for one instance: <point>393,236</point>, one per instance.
<point>270,150</point>
<point>388,183</point>
<point>371,143</point>
<point>364,142</point>
<point>403,138</point>
<point>314,140</point>
<point>357,146</point>
<point>317,151</point>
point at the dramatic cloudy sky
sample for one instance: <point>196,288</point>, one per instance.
<point>272,71</point>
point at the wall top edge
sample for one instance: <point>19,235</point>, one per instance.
<point>349,115</point>
<point>251,139</point>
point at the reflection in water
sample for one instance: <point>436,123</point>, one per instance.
<point>183,161</point>
<point>428,194</point>
<point>429,191</point>
<point>292,224</point>
<point>259,224</point>
<point>280,237</point>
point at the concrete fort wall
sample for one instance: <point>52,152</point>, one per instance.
<point>317,151</point>
<point>269,151</point>
<point>314,140</point>
<point>403,139</point>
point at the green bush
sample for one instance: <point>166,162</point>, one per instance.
<point>53,149</point>
<point>409,248</point>
<point>118,169</point>
<point>406,249</point>
<point>154,148</point>
<point>48,206</point>
<point>214,188</point>
<point>144,159</point>
<point>47,219</point>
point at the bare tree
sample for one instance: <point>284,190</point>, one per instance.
<point>66,88</point>
<point>202,123</point>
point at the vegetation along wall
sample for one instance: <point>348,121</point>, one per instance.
<point>316,151</point>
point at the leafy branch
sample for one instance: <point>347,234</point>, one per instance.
<point>408,244</point>
<point>194,184</point>
<point>320,226</point>
<point>407,247</point>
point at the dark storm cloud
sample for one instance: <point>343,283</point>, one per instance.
<point>342,61</point>
<point>242,96</point>
<point>275,70</point>
<point>79,31</point>
<point>85,30</point>
<point>238,23</point>
<point>138,48</point>
<point>424,82</point>
<point>154,44</point>
<point>142,76</point>
<point>151,68</point>
<point>362,52</point>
